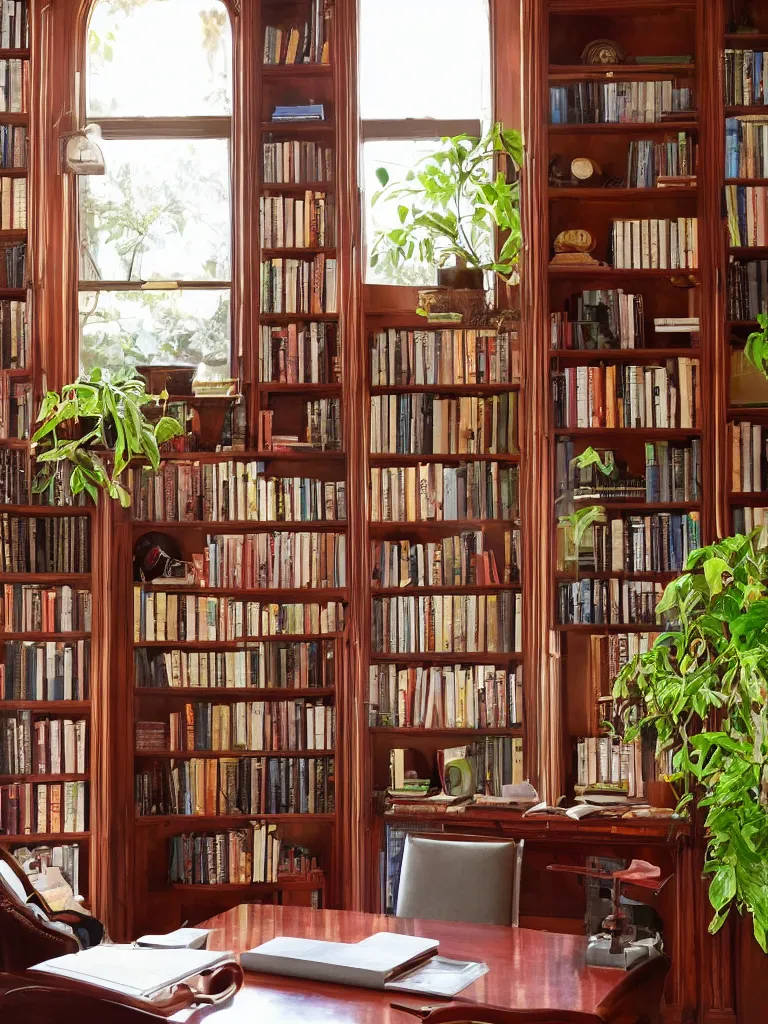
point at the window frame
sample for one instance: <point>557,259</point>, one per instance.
<point>140,129</point>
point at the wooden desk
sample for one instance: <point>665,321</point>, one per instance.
<point>528,969</point>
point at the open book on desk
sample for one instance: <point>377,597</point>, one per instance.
<point>382,961</point>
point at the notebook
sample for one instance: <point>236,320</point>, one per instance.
<point>367,964</point>
<point>182,938</point>
<point>138,972</point>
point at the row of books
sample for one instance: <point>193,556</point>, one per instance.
<point>287,222</point>
<point>491,763</point>
<point>654,543</point>
<point>745,77</point>
<point>232,491</point>
<point>17,409</point>
<point>749,457</point>
<point>277,559</point>
<point>469,623</point>
<point>300,354</point>
<point>303,44</point>
<point>13,269</point>
<point>45,543</point>
<point>237,785</point>
<point>592,102</point>
<point>613,601</point>
<point>35,861</point>
<point>432,492</point>
<point>30,608</point>
<point>46,670</point>
<point>445,697</point>
<point>14,351</point>
<point>43,746</point>
<point>13,146</point>
<point>251,725</point>
<point>160,615</point>
<point>673,157</point>
<point>298,665</point>
<point>38,808</point>
<point>13,204</point>
<point>664,396</point>
<point>747,519</point>
<point>402,357</point>
<point>747,289</point>
<point>14,86</point>
<point>299,286</point>
<point>322,429</point>
<point>604,761</point>
<point>746,146</point>
<point>458,560</point>
<point>618,649</point>
<point>599,318</point>
<point>294,162</point>
<point>14,25</point>
<point>423,424</point>
<point>239,856</point>
<point>746,206</point>
<point>672,473</point>
<point>655,244</point>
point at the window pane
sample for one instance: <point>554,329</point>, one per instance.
<point>155,58</point>
<point>398,156</point>
<point>161,212</point>
<point>424,58</point>
<point>120,329</point>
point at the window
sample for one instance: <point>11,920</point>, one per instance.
<point>155,230</point>
<point>425,73</point>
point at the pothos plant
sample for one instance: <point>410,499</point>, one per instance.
<point>756,347</point>
<point>578,522</point>
<point>456,206</point>
<point>99,415</point>
<point>703,690</point>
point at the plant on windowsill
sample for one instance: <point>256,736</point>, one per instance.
<point>703,689</point>
<point>457,212</point>
<point>99,415</point>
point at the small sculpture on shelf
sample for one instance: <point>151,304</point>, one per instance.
<point>603,51</point>
<point>583,171</point>
<point>573,247</point>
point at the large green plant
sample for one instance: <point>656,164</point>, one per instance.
<point>703,689</point>
<point>99,412</point>
<point>456,205</point>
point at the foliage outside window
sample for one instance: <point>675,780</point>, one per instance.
<point>155,230</point>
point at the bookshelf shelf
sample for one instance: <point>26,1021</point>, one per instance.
<point>609,72</point>
<point>242,525</point>
<point>470,588</point>
<point>441,525</point>
<point>623,355</point>
<point>298,128</point>
<point>232,645</point>
<point>297,186</point>
<point>216,888</point>
<point>622,195</point>
<point>185,755</point>
<point>305,595</point>
<point>444,389</point>
<point>5,637</point>
<point>270,387</point>
<point>47,510</point>
<point>748,181</point>
<point>615,273</point>
<point>659,433</point>
<point>379,458</point>
<point>624,128</point>
<point>397,730</point>
<point>751,499</point>
<point>290,318</point>
<point>46,837</point>
<point>12,172</point>
<point>630,505</point>
<point>607,627</point>
<point>13,234</point>
<point>290,71</point>
<point>43,778</point>
<point>757,252</point>
<point>661,575</point>
<point>299,251</point>
<point>234,693</point>
<point>735,111</point>
<point>81,578</point>
<point>252,455</point>
<point>449,657</point>
<point>13,53</point>
<point>184,821</point>
<point>748,412</point>
<point>46,707</point>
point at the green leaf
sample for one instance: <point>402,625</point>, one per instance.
<point>166,428</point>
<point>714,570</point>
<point>722,888</point>
<point>382,176</point>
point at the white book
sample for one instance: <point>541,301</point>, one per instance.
<point>182,938</point>
<point>138,972</point>
<point>367,964</point>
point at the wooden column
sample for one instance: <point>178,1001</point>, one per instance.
<point>542,720</point>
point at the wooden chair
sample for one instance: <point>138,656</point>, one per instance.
<point>34,999</point>
<point>635,1000</point>
<point>475,879</point>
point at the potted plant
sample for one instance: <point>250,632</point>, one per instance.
<point>99,415</point>
<point>703,690</point>
<point>457,211</point>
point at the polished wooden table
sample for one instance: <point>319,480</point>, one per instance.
<point>528,969</point>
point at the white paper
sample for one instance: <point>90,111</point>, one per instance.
<point>439,977</point>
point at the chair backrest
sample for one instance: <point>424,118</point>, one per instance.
<point>25,1000</point>
<point>460,878</point>
<point>25,939</point>
<point>14,877</point>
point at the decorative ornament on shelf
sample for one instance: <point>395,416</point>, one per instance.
<point>573,247</point>
<point>603,51</point>
<point>80,151</point>
<point>584,169</point>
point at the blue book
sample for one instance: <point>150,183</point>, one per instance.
<point>307,112</point>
